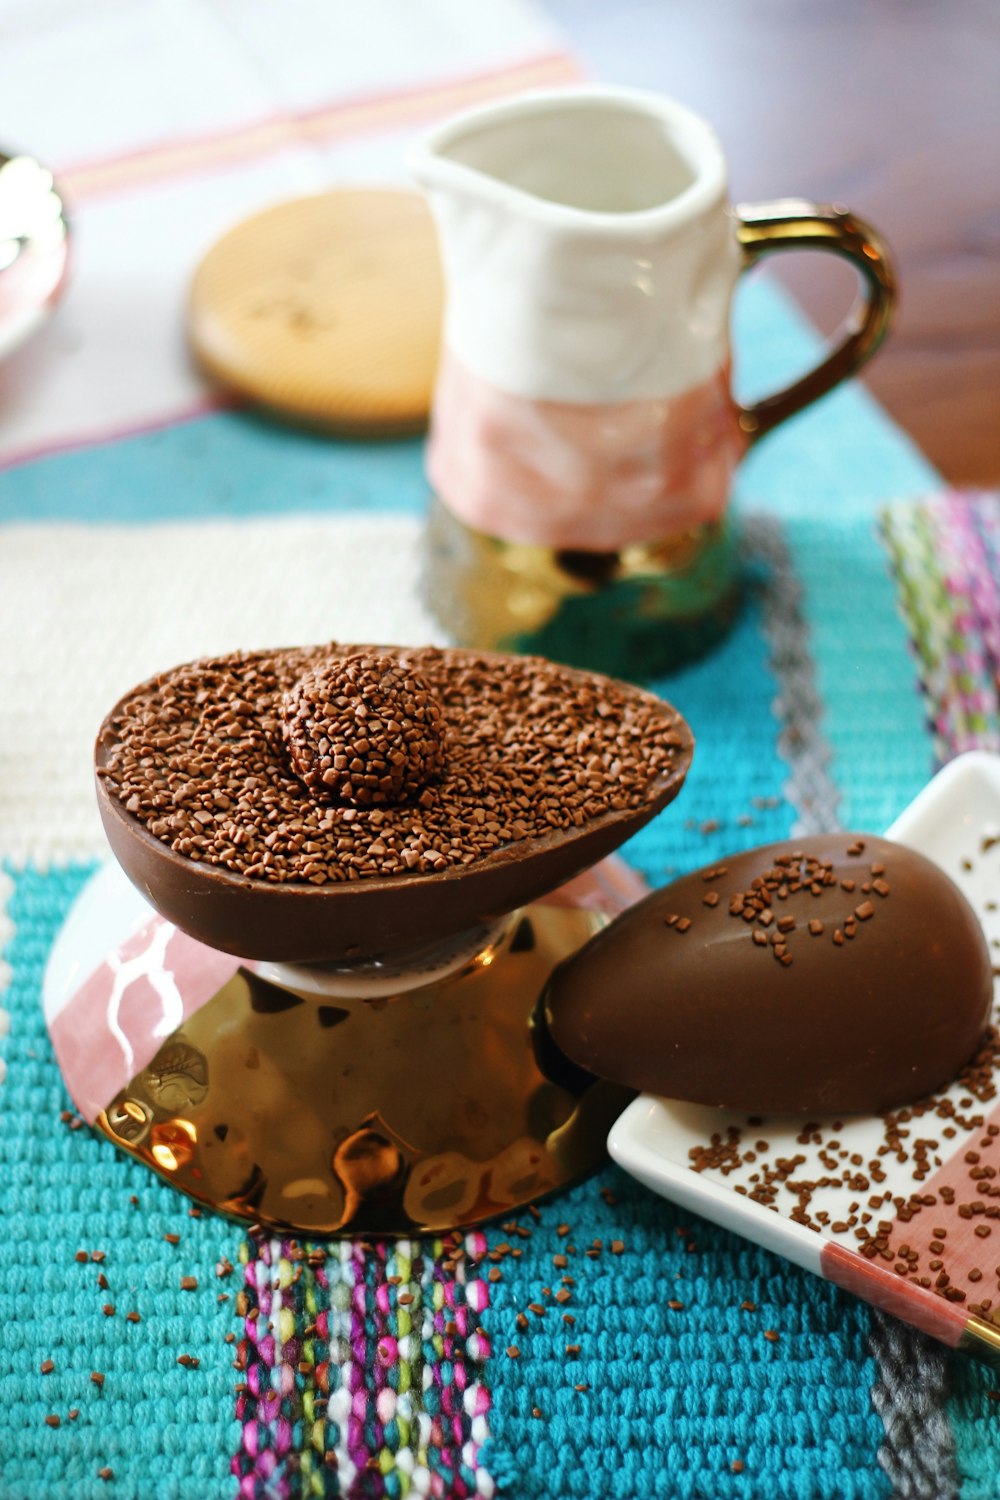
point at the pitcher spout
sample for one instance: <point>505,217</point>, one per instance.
<point>590,157</point>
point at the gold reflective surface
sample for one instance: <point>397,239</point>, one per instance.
<point>981,1339</point>
<point>632,613</point>
<point>427,1110</point>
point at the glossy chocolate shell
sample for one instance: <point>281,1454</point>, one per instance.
<point>748,986</point>
<point>374,917</point>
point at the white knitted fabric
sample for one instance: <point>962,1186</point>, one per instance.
<point>89,611</point>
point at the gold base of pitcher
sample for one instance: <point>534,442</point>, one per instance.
<point>428,1110</point>
<point>636,612</point>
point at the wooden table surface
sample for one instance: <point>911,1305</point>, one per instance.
<point>889,106</point>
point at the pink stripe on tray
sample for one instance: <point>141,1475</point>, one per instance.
<point>339,120</point>
<point>962,1199</point>
<point>884,1289</point>
<point>116,1022</point>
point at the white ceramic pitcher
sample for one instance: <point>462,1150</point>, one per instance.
<point>583,403</point>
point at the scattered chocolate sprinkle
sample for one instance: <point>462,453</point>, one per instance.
<point>513,1352</point>
<point>108,1309</point>
<point>982,1230</point>
<point>189,1283</point>
<point>96,1377</point>
<point>73,1413</point>
<point>191,1363</point>
<point>737,1466</point>
<point>133,1317</point>
<point>105,1473</point>
<point>81,1256</point>
<point>47,1366</point>
<point>52,1420</point>
<point>771,1334</point>
<point>617,1246</point>
<point>582,1386</point>
<point>102,1281</point>
<point>172,1239</point>
<point>747,1306</point>
<point>674,1305</point>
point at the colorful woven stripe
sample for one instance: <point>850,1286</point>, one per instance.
<point>362,1369</point>
<point>945,554</point>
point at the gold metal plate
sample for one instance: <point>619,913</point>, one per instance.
<point>426,1110</point>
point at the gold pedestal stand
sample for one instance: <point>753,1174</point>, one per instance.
<point>329,1114</point>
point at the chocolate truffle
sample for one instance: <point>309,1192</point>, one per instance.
<point>364,730</point>
<point>834,974</point>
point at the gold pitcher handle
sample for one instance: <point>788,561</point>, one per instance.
<point>795,224</point>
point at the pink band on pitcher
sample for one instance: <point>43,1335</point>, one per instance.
<point>593,477</point>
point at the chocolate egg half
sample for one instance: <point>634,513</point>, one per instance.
<point>833,974</point>
<point>337,802</point>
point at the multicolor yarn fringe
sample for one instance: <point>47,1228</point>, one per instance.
<point>946,557</point>
<point>362,1370</point>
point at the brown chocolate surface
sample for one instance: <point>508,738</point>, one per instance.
<point>839,973</point>
<point>264,908</point>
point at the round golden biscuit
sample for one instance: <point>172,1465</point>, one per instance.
<point>326,310</point>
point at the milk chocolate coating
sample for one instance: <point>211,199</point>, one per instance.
<point>374,918</point>
<point>709,1014</point>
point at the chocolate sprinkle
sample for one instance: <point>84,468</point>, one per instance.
<point>199,757</point>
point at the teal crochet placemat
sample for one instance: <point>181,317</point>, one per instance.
<point>603,1344</point>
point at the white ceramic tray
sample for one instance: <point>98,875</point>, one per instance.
<point>956,822</point>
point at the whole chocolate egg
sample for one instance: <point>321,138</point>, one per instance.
<point>833,974</point>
